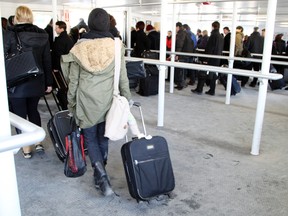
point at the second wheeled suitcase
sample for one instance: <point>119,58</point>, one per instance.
<point>61,89</point>
<point>58,127</point>
<point>277,84</point>
<point>148,86</point>
<point>235,87</point>
<point>148,167</point>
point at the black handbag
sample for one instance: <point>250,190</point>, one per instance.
<point>150,55</point>
<point>20,66</point>
<point>135,69</point>
<point>75,162</point>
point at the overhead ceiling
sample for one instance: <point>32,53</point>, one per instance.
<point>186,7</point>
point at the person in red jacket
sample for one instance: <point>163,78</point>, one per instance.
<point>169,41</point>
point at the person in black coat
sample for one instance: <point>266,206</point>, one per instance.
<point>49,30</point>
<point>154,37</point>
<point>227,38</point>
<point>74,34</point>
<point>279,48</point>
<point>226,47</point>
<point>82,25</point>
<point>202,42</point>
<point>25,97</point>
<point>133,36</point>
<point>255,44</point>
<point>214,47</point>
<point>61,46</point>
<point>142,42</point>
<point>184,43</point>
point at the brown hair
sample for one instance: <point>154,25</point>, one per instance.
<point>216,25</point>
<point>240,28</point>
<point>112,21</point>
<point>61,24</point>
<point>23,14</point>
<point>140,25</point>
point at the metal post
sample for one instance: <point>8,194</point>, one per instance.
<point>161,87</point>
<point>172,69</point>
<point>9,198</point>
<point>231,53</point>
<point>55,19</point>
<point>270,21</point>
<point>128,27</point>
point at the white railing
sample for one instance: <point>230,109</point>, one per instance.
<point>201,54</point>
<point>31,134</point>
<point>233,71</point>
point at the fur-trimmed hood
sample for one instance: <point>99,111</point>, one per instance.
<point>94,55</point>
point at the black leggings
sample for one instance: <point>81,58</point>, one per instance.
<point>26,107</point>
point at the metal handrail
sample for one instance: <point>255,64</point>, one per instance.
<point>31,134</point>
<point>272,76</point>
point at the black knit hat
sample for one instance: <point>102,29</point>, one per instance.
<point>98,20</point>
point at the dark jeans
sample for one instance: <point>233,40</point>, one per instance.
<point>180,77</point>
<point>26,107</point>
<point>96,143</point>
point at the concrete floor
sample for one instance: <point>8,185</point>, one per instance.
<point>209,144</point>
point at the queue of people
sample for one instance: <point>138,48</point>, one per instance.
<point>245,46</point>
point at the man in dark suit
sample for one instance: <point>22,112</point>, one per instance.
<point>226,47</point>
<point>61,46</point>
<point>214,47</point>
<point>227,38</point>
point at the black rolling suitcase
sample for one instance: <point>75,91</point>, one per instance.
<point>61,88</point>
<point>59,126</point>
<point>135,71</point>
<point>276,84</point>
<point>148,168</point>
<point>148,86</point>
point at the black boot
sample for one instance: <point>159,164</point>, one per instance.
<point>101,179</point>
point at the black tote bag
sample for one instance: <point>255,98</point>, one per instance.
<point>75,162</point>
<point>20,66</point>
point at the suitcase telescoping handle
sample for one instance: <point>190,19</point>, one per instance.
<point>138,104</point>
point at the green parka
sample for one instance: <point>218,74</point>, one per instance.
<point>89,71</point>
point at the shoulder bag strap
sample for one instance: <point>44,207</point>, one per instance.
<point>117,65</point>
<point>19,44</point>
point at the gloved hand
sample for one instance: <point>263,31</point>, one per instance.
<point>131,102</point>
